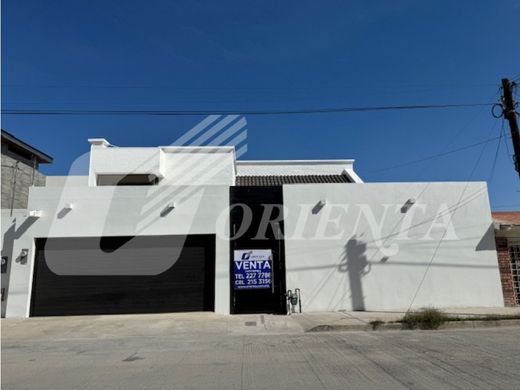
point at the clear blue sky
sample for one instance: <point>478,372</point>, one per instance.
<point>270,55</point>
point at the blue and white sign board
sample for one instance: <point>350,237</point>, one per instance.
<point>253,269</point>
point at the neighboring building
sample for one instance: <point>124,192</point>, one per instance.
<point>20,163</point>
<point>165,229</point>
<point>507,236</point>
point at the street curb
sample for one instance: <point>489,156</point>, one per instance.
<point>478,324</point>
<point>463,324</point>
<point>360,327</point>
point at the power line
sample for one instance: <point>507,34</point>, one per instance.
<point>397,224</point>
<point>450,218</point>
<point>238,112</point>
<point>251,88</point>
<point>434,156</point>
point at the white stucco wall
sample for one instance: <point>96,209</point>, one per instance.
<point>62,181</point>
<point>174,165</point>
<point>12,227</point>
<point>121,211</point>
<point>346,269</point>
<point>189,168</point>
<point>340,255</point>
<point>104,161</point>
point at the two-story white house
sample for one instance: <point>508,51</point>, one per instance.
<point>164,229</point>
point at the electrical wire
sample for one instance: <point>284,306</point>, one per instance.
<point>378,86</point>
<point>239,112</point>
<point>437,247</point>
<point>452,140</point>
<point>434,156</point>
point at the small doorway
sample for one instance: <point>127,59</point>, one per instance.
<point>257,261</point>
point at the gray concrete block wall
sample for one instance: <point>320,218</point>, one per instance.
<point>24,180</point>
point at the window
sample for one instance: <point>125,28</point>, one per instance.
<point>127,180</point>
<point>514,257</point>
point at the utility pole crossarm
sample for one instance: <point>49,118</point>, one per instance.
<point>510,114</point>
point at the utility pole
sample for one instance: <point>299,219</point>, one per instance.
<point>508,107</point>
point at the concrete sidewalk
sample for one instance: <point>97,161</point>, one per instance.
<point>149,325</point>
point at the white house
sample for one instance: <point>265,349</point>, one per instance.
<point>191,228</point>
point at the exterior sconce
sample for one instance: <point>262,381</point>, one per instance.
<point>22,258</point>
<point>35,213</point>
<point>169,207</point>
<point>318,206</point>
<point>67,208</point>
<point>409,203</point>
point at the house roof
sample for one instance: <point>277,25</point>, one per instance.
<point>17,145</point>
<point>278,180</point>
<point>333,169</point>
<point>506,217</point>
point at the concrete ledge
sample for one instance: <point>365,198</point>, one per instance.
<point>356,327</point>
<point>479,324</point>
<point>467,324</point>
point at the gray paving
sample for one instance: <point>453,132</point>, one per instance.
<point>206,351</point>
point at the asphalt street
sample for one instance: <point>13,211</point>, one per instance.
<point>111,355</point>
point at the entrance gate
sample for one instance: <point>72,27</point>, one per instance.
<point>257,244</point>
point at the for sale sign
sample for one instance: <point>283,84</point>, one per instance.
<point>253,269</point>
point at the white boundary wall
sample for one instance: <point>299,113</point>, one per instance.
<point>335,253</point>
<point>346,269</point>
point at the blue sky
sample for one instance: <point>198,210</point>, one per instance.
<point>271,55</point>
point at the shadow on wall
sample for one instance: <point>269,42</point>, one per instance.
<point>8,239</point>
<point>487,242</point>
<point>355,263</point>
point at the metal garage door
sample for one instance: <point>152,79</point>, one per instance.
<point>143,274</point>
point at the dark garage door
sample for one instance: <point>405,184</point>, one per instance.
<point>108,275</point>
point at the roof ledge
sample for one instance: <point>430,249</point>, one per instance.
<point>99,142</point>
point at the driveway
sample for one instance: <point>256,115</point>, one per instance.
<point>205,351</point>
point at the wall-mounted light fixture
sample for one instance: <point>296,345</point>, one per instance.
<point>318,206</point>
<point>67,208</point>
<point>408,204</point>
<point>22,258</point>
<point>169,207</point>
<point>35,213</point>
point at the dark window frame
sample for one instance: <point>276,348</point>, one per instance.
<point>127,180</point>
